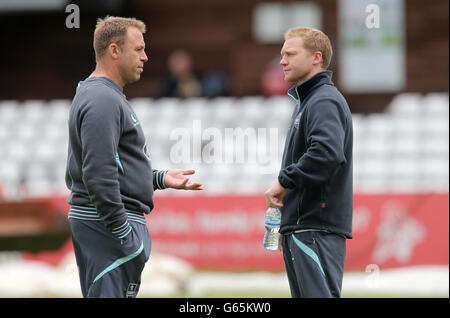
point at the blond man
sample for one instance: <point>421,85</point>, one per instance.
<point>314,188</point>
<point>109,172</point>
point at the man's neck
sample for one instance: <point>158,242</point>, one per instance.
<point>310,74</point>
<point>111,73</point>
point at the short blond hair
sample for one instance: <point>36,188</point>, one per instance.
<point>113,30</point>
<point>313,40</point>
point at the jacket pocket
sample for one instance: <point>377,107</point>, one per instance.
<point>310,200</point>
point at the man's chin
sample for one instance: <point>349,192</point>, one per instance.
<point>290,80</point>
<point>297,80</point>
<point>134,79</point>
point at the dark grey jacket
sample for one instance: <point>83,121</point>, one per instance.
<point>108,167</point>
<point>317,160</point>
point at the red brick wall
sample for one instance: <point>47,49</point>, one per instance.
<point>49,59</point>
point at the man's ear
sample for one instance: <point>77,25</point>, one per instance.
<point>114,51</point>
<point>317,58</point>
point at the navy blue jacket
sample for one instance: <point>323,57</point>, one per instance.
<point>317,160</point>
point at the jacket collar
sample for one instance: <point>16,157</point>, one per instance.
<point>300,91</point>
<point>107,81</point>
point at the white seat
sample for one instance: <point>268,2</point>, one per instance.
<point>436,104</point>
<point>166,108</point>
<point>282,102</point>
<point>166,131</point>
<point>34,111</point>
<point>141,106</point>
<point>58,109</point>
<point>372,167</point>
<point>434,185</point>
<point>194,108</point>
<point>19,151</point>
<point>405,174</point>
<point>53,130</point>
<point>38,188</point>
<point>159,154</point>
<point>58,168</point>
<point>404,183</point>
<point>269,158</point>
<point>407,126</point>
<point>378,124</point>
<point>436,166</point>
<point>223,110</point>
<point>375,145</point>
<point>405,166</point>
<point>4,134</point>
<point>406,105</point>
<point>45,151</point>
<point>371,185</point>
<point>359,126</point>
<point>268,117</point>
<point>35,170</point>
<point>27,134</point>
<point>407,145</point>
<point>251,107</point>
<point>359,148</point>
<point>9,111</point>
<point>436,125</point>
<point>249,171</point>
<point>436,146</point>
<point>9,171</point>
<point>198,113</point>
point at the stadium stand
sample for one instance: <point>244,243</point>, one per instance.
<point>405,148</point>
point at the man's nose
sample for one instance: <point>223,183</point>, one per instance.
<point>144,57</point>
<point>283,61</point>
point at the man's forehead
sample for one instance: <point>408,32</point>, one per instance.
<point>292,43</point>
<point>135,35</point>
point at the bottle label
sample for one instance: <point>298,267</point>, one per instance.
<point>272,217</point>
<point>273,221</point>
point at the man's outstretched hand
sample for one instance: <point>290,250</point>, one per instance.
<point>176,179</point>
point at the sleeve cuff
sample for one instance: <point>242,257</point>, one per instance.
<point>285,183</point>
<point>158,179</point>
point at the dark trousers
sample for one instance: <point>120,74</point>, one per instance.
<point>314,262</point>
<point>109,267</point>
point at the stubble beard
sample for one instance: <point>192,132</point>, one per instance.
<point>130,75</point>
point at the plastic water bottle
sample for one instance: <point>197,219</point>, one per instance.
<point>273,218</point>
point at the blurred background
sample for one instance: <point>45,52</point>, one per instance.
<point>213,71</point>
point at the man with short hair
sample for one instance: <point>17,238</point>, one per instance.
<point>109,171</point>
<point>314,190</point>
